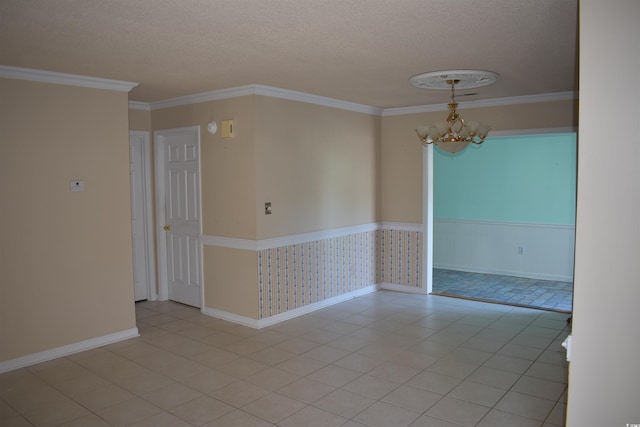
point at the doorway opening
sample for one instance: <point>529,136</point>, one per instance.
<point>503,221</point>
<point>144,270</point>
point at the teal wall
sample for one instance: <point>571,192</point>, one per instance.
<point>527,179</point>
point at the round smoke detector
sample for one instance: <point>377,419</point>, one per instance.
<point>466,79</point>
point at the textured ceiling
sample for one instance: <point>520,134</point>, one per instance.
<point>362,51</point>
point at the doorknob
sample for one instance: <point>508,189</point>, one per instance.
<point>167,227</point>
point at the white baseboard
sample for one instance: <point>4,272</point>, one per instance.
<point>402,288</point>
<point>527,275</point>
<point>66,350</point>
<point>272,320</point>
<point>230,317</point>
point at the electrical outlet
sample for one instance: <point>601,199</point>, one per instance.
<point>267,208</point>
<point>520,250</point>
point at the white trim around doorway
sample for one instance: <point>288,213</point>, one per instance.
<point>427,218</point>
<point>144,136</point>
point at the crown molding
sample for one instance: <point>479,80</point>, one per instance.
<point>213,95</point>
<point>136,105</point>
<point>262,90</point>
<point>497,102</point>
<point>527,132</point>
<point>42,76</point>
<point>292,95</point>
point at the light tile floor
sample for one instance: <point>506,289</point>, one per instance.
<point>384,359</point>
<point>521,291</point>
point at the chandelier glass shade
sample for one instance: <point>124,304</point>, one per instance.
<point>456,133</point>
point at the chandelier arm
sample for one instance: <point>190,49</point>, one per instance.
<point>461,120</point>
<point>424,139</point>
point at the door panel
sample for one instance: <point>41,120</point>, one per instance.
<point>182,215</point>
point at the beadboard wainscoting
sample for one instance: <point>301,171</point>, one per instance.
<point>301,273</point>
<point>536,251</point>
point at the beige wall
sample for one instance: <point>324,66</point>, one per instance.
<point>401,169</point>
<point>231,280</point>
<point>228,178</point>
<point>321,168</point>
<point>401,152</point>
<point>604,373</point>
<point>65,257</point>
<point>228,171</point>
<point>140,120</point>
<point>318,166</point>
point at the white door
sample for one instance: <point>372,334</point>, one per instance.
<point>178,197</point>
<point>141,219</point>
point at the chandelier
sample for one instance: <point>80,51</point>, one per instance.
<point>457,133</point>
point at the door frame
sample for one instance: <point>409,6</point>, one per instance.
<point>161,240</point>
<point>427,219</point>
<point>149,245</point>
